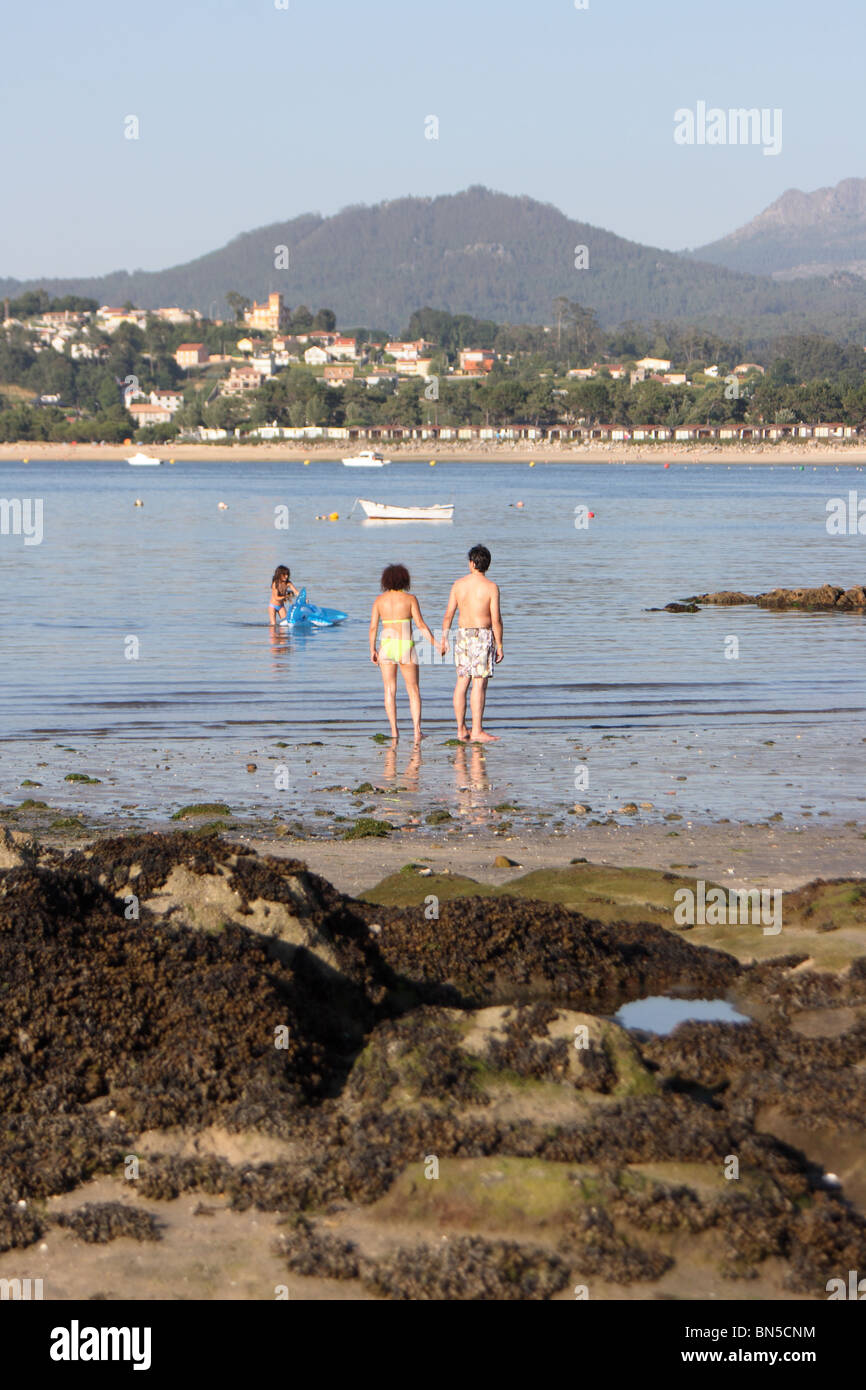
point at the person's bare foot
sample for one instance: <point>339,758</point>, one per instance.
<point>419,736</point>
<point>483,737</point>
<point>463,734</point>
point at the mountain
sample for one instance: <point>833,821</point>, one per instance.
<point>478,252</point>
<point>800,234</point>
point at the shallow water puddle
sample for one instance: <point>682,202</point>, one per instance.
<point>660,1013</point>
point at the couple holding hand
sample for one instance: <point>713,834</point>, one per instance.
<point>478,645</point>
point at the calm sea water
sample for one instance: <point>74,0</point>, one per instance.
<point>598,700</point>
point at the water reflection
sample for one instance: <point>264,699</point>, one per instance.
<point>279,640</point>
<point>410,771</point>
<point>660,1013</point>
<point>471,783</point>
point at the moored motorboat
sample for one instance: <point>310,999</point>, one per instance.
<point>143,461</point>
<point>368,458</point>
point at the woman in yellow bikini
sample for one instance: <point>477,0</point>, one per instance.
<point>396,609</point>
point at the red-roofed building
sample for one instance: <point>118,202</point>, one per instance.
<point>344,348</point>
<point>239,380</point>
<point>191,355</point>
<point>477,360</point>
<point>147,414</point>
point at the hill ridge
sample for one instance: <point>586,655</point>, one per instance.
<point>494,255</point>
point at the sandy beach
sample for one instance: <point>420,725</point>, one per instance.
<point>809,452</point>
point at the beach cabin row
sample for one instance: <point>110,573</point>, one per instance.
<point>531,434</point>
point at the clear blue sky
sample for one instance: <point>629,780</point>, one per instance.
<point>250,114</point>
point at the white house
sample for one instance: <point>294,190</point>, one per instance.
<point>110,318</point>
<point>263,363</point>
<point>61,338</point>
<point>86,351</point>
<point>344,348</point>
<point>406,352</point>
<point>168,400</point>
<point>654,364</point>
<point>147,414</point>
<point>176,315</point>
<point>316,356</point>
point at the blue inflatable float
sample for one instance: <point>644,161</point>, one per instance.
<point>304,614</point>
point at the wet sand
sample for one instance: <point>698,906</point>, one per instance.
<point>736,854</point>
<point>739,853</point>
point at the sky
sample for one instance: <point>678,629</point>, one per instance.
<point>249,112</point>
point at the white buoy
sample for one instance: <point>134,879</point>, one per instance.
<point>223,506</point>
<point>138,502</point>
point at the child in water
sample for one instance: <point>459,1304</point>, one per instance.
<point>281,587</point>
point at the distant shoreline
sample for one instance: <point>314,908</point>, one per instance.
<point>473,451</point>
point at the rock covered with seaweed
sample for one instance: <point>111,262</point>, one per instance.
<point>162,984</point>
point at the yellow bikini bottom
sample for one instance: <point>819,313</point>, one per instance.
<point>394,647</point>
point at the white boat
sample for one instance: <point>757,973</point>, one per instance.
<point>143,461</point>
<point>383,511</point>
<point>368,458</point>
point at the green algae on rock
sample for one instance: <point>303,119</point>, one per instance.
<point>202,808</point>
<point>367,827</point>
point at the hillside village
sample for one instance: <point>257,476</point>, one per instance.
<point>73,369</point>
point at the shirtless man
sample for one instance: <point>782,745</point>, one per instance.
<point>478,644</point>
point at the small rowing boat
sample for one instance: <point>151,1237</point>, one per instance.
<point>383,511</point>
